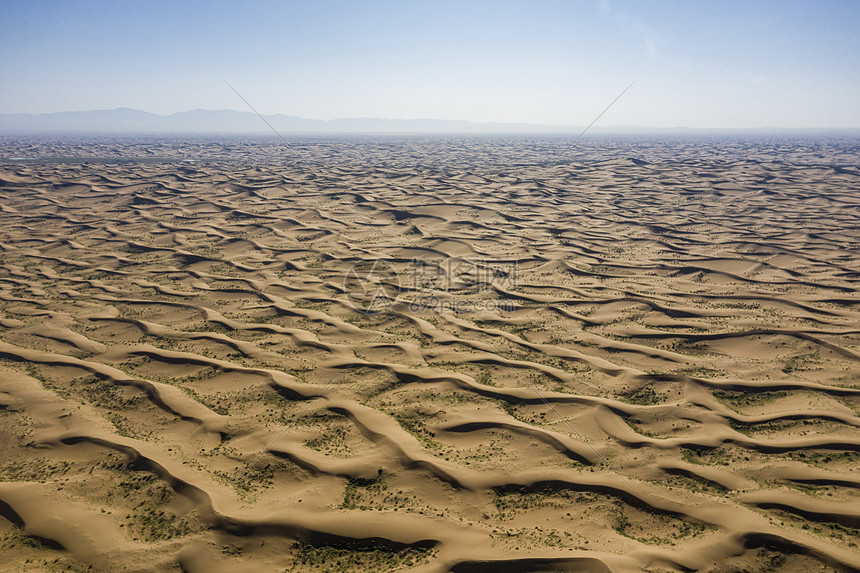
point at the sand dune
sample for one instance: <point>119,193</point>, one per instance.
<point>397,357</point>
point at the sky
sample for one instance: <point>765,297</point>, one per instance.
<point>718,63</point>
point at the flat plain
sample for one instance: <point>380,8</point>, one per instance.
<point>430,354</point>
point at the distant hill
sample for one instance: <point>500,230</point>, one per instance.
<point>125,120</point>
<point>202,121</point>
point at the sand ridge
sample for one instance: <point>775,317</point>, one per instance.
<point>646,359</point>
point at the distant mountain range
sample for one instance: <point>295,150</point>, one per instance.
<point>225,121</point>
<point>125,120</point>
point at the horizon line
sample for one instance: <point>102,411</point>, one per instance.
<point>554,127</point>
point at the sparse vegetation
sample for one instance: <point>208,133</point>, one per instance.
<point>643,396</point>
<point>352,557</point>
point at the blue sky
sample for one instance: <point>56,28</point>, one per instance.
<point>696,63</point>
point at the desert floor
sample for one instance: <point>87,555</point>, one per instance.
<point>429,354</point>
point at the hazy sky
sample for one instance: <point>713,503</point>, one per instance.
<point>698,64</point>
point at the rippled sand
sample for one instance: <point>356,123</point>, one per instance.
<point>429,354</point>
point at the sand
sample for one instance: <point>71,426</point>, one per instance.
<point>429,354</point>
